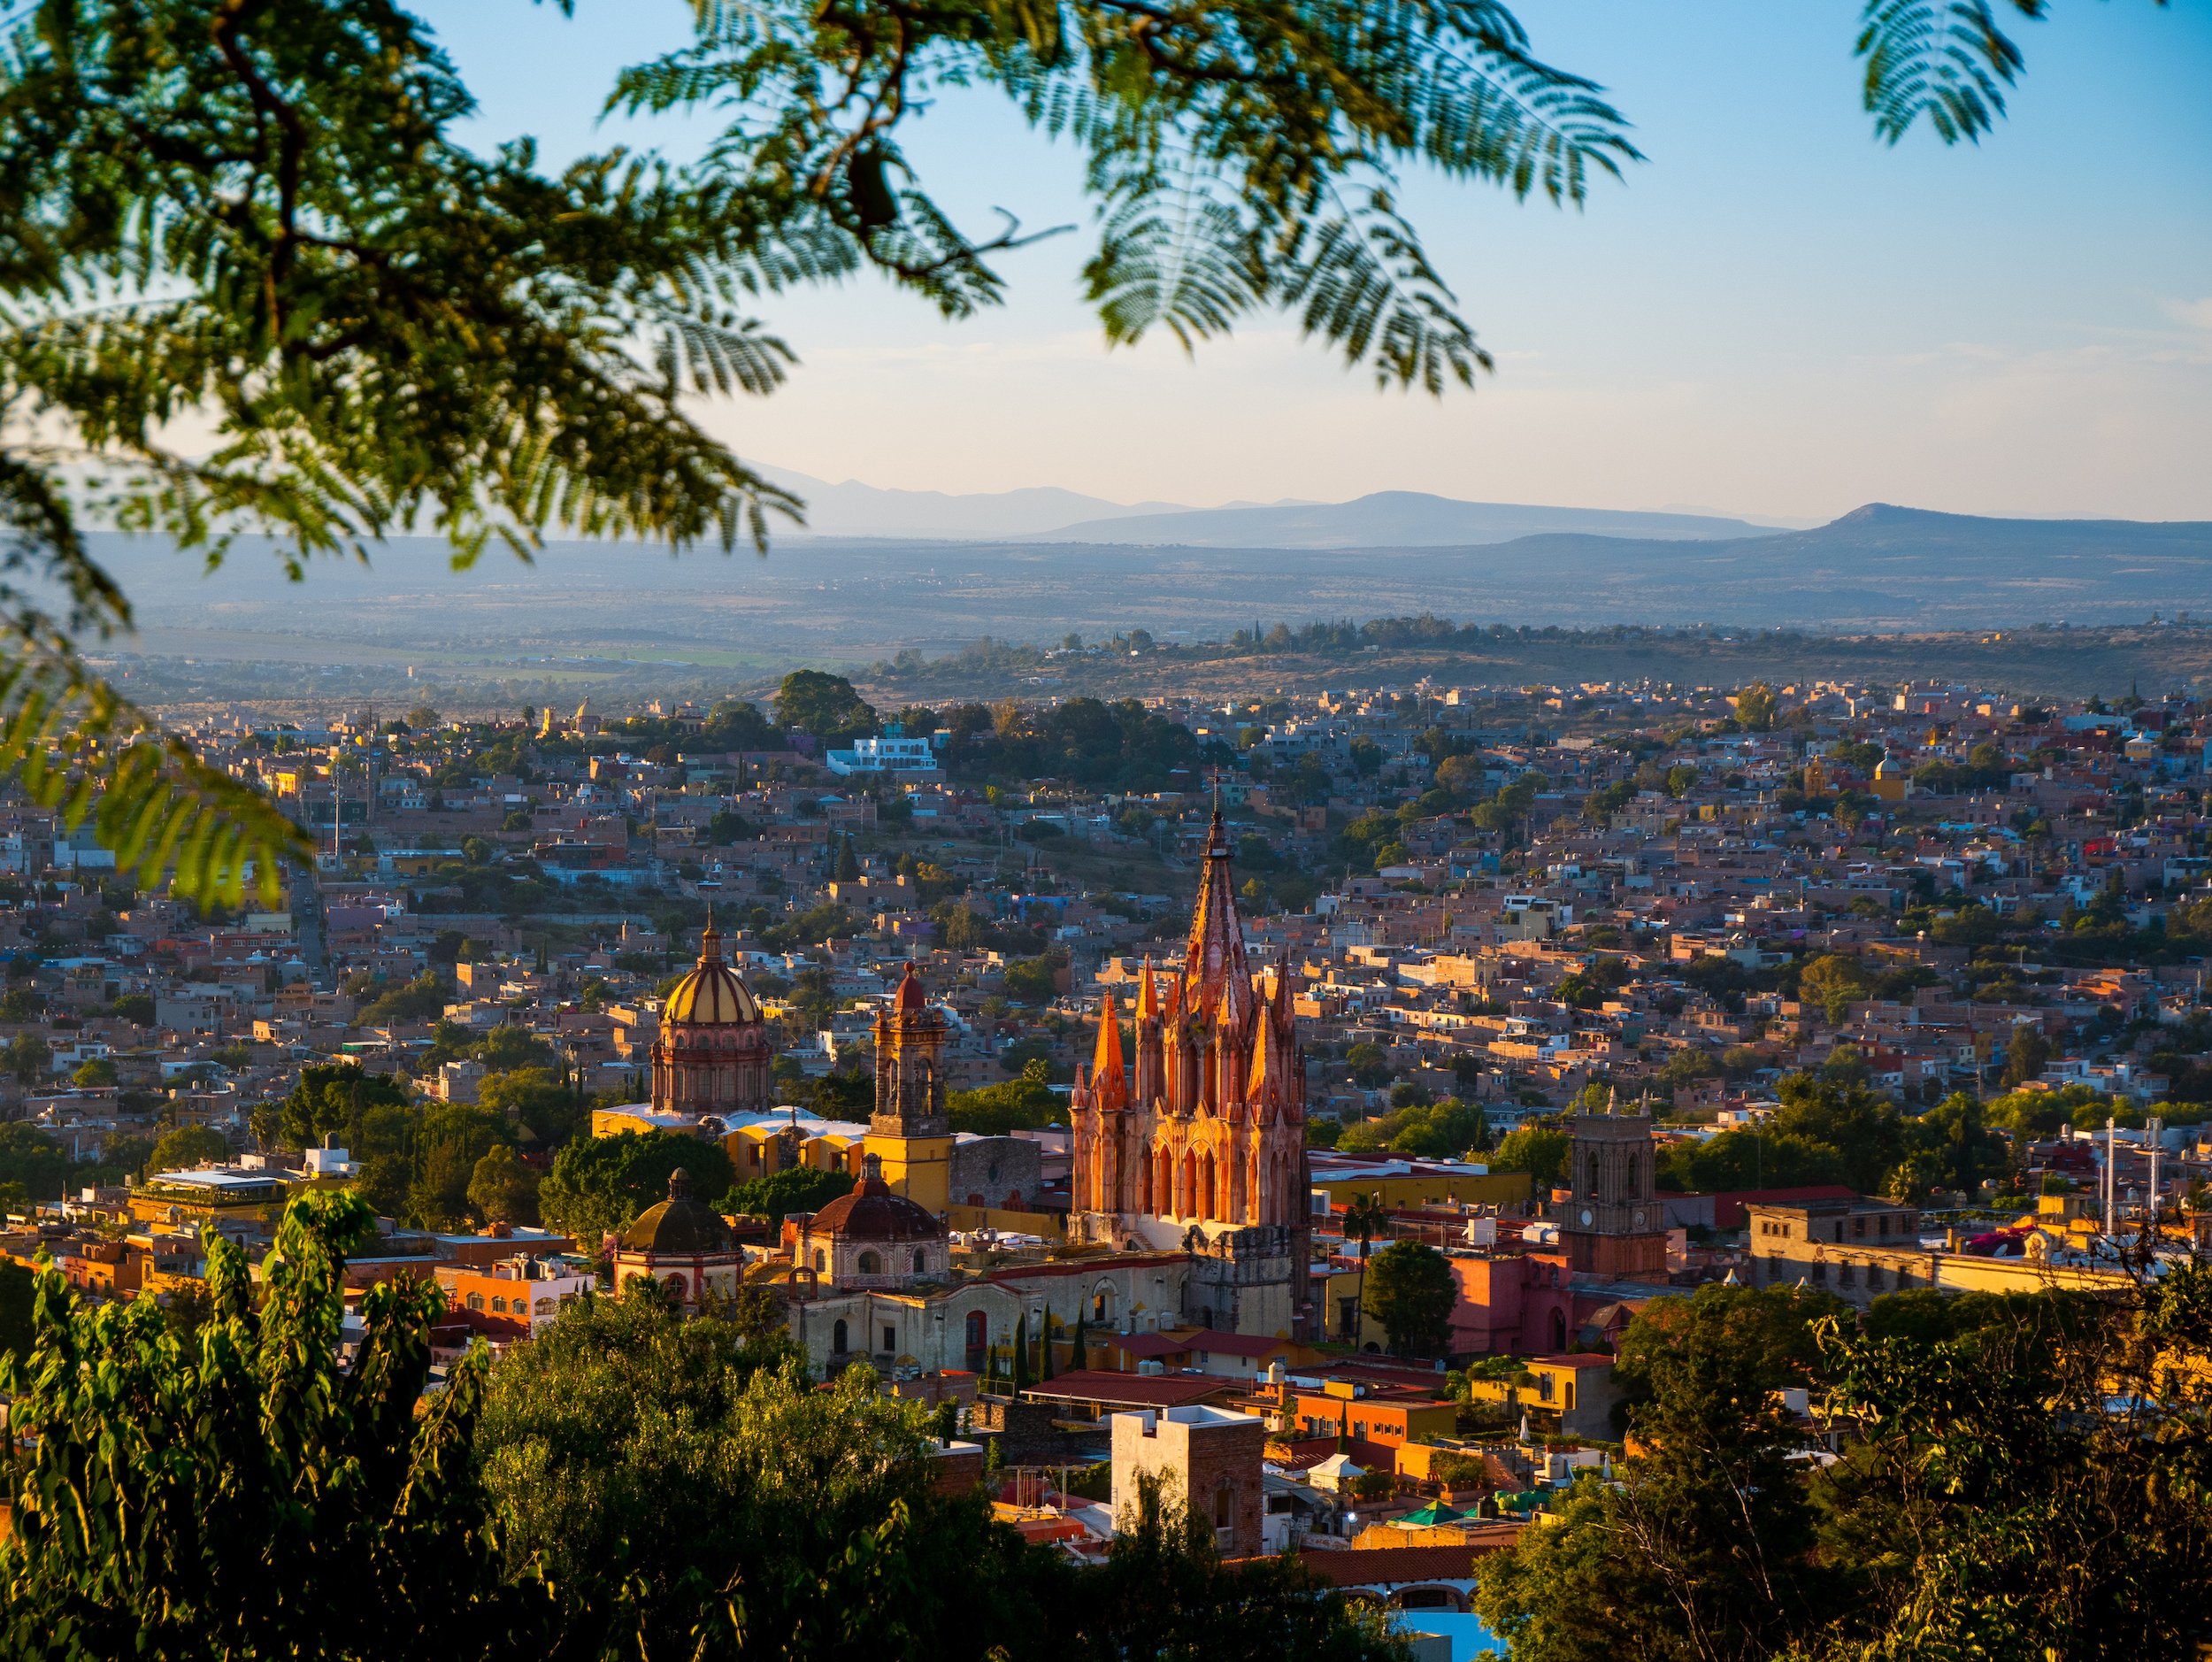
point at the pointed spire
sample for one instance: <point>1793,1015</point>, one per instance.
<point>1108,1087</point>
<point>1217,978</point>
<point>1148,995</point>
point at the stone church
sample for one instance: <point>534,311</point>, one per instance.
<point>1199,1141</point>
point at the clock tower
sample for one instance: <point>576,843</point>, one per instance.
<point>1612,1225</point>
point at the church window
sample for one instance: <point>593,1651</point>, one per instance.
<point>870,1264</point>
<point>890,1338</point>
<point>838,1346</point>
<point>921,1261</point>
<point>821,1261</point>
<point>675,1285</point>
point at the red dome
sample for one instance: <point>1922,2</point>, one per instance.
<point>909,999</point>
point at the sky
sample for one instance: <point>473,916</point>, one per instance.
<point>1776,315</point>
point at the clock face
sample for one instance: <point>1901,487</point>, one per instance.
<point>1640,1218</point>
<point>1585,1217</point>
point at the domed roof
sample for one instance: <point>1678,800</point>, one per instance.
<point>910,998</point>
<point>713,995</point>
<point>680,1225</point>
<point>874,1212</point>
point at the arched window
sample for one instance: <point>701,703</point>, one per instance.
<point>838,1347</point>
<point>1223,1499</point>
<point>821,1261</point>
<point>476,1301</point>
<point>675,1285</point>
<point>499,1303</point>
<point>921,1261</point>
<point>1558,1331</point>
<point>870,1264</point>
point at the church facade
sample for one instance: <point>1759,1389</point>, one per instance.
<point>1198,1141</point>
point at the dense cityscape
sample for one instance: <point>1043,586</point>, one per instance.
<point>939,1044</point>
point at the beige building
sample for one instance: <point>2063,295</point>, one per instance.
<point>1207,1458</point>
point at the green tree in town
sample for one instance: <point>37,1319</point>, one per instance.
<point>1539,1152</point>
<point>1834,981</point>
<point>1755,707</point>
<point>684,1488</point>
<point>540,1103</point>
<point>1708,1550</point>
<point>824,706</point>
<point>2044,1455</point>
<point>503,1189</point>
<point>242,1494</point>
<point>451,1139</point>
<point>1366,1217</point>
<point>1410,1291</point>
<point>186,1146</point>
<point>419,1000</point>
<point>600,1184</point>
<point>794,1189</point>
<point>26,1059</point>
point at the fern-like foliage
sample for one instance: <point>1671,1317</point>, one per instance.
<point>76,746</point>
<point>1242,154</point>
<point>1946,60</point>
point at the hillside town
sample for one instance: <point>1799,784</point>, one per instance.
<point>1300,1098</point>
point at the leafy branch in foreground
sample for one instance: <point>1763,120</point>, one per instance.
<point>1245,153</point>
<point>1943,59</point>
<point>78,748</point>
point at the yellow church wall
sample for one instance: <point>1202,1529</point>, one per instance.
<point>1476,1188</point>
<point>919,1168</point>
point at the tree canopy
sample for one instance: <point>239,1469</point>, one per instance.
<point>239,1493</point>
<point>1410,1291</point>
<point>600,1184</point>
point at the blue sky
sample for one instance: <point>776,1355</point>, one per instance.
<point>1777,315</point>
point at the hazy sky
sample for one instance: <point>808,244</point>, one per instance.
<point>1776,315</point>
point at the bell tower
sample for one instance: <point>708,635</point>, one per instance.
<point>1612,1225</point>
<point>909,1132</point>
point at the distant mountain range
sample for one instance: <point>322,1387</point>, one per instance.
<point>1385,518</point>
<point>852,509</point>
<point>829,600</point>
<point>1388,519</point>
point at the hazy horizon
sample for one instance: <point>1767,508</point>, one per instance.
<point>1778,318</point>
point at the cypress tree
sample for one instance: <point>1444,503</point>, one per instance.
<point>1021,1354</point>
<point>1044,1351</point>
<point>1078,1358</point>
